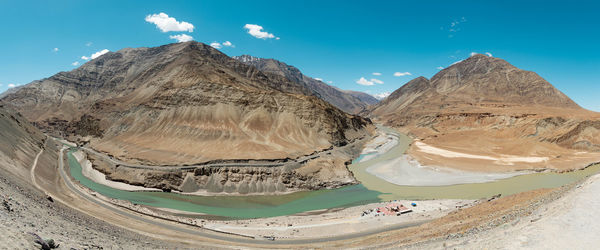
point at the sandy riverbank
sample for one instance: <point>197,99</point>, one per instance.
<point>339,222</point>
<point>404,170</point>
<point>88,171</point>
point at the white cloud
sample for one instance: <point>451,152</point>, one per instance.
<point>55,49</point>
<point>440,67</point>
<point>382,95</point>
<point>99,53</point>
<point>11,85</point>
<point>456,62</point>
<point>217,45</point>
<point>402,74</point>
<point>166,23</point>
<point>488,54</point>
<point>95,55</point>
<point>256,31</point>
<point>182,38</point>
<point>376,81</point>
<point>454,26</point>
<point>319,79</point>
<point>376,73</point>
<point>75,63</point>
<point>88,44</point>
<point>365,82</point>
<point>473,53</point>
<point>330,82</point>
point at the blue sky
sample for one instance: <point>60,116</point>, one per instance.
<point>337,41</point>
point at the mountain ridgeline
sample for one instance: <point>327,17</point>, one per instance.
<point>349,101</point>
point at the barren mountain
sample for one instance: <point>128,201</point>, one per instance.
<point>495,116</point>
<point>349,102</point>
<point>184,103</point>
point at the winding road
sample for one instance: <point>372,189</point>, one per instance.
<point>33,166</point>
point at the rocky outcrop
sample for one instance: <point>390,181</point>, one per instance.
<point>324,172</point>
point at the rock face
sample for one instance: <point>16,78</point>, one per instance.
<point>484,105</point>
<point>349,102</point>
<point>184,103</point>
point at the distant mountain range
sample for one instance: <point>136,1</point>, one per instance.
<point>349,101</point>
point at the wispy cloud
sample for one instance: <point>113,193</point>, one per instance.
<point>376,81</point>
<point>376,73</point>
<point>166,23</point>
<point>402,74</point>
<point>319,79</point>
<point>182,38</point>
<point>257,31</point>
<point>88,44</point>
<point>363,81</point>
<point>55,50</point>
<point>440,67</point>
<point>11,85</point>
<point>456,62</point>
<point>454,27</point>
<point>216,45</point>
<point>95,55</point>
<point>382,95</point>
<point>228,44</point>
<point>486,53</point>
<point>75,63</point>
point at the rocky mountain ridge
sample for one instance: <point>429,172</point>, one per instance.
<point>351,102</point>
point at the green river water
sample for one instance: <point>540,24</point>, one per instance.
<point>371,189</point>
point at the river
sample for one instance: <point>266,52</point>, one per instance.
<point>372,189</point>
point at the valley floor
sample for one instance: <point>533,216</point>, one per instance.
<point>534,219</point>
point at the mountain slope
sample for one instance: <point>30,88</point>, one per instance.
<point>184,103</point>
<point>345,101</point>
<point>364,97</point>
<point>484,106</point>
<point>21,142</point>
